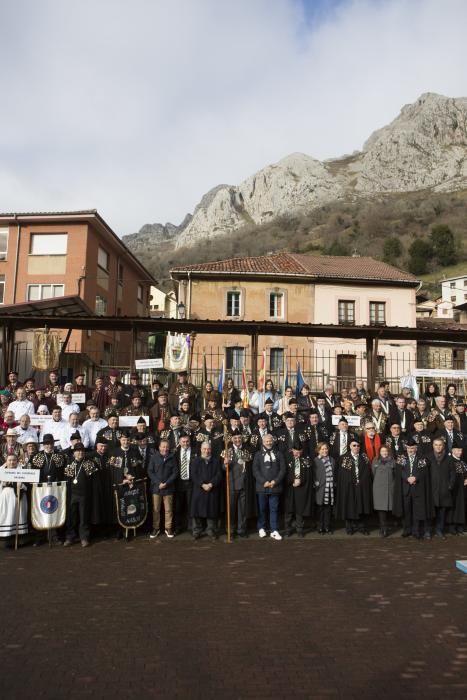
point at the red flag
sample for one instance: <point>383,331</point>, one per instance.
<point>246,402</point>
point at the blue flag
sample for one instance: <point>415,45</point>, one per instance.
<point>300,380</point>
<point>220,386</point>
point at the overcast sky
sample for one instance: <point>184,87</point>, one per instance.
<point>138,108</point>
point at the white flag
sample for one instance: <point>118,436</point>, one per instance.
<point>177,352</point>
<point>48,505</point>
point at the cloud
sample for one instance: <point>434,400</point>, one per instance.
<point>139,108</point>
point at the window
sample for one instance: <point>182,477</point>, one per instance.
<point>346,313</point>
<point>465,283</point>
<point>140,292</point>
<point>465,296</point>
<point>103,259</point>
<point>48,244</point>
<point>234,363</point>
<point>452,285</point>
<point>453,298</point>
<point>381,367</point>
<point>377,313</point>
<point>2,288</point>
<point>101,306</point>
<point>120,273</point>
<point>36,292</point>
<point>107,353</point>
<point>233,304</point>
<point>3,243</point>
<point>277,359</point>
<point>276,305</point>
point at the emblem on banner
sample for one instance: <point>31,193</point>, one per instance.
<point>177,352</point>
<point>49,504</point>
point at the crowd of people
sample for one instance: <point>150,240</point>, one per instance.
<point>294,462</point>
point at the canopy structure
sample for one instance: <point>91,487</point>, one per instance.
<point>72,314</point>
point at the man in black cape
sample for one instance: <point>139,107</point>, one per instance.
<point>443,481</point>
<point>206,476</point>
<point>354,490</point>
<point>298,501</point>
<point>456,517</point>
<point>241,483</point>
<point>412,492</point>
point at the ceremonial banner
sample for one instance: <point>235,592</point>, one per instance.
<point>131,502</point>
<point>45,350</point>
<point>177,352</point>
<point>48,505</point>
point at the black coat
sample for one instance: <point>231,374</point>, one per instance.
<point>353,497</point>
<point>334,443</point>
<point>242,475</point>
<point>205,504</point>
<point>443,480</point>
<point>50,465</point>
<point>162,470</point>
<point>420,491</point>
<point>298,499</point>
<point>273,470</point>
<point>457,513</point>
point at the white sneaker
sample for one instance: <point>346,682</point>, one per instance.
<point>276,535</point>
<point>262,532</point>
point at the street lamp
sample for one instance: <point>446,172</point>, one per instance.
<point>181,310</point>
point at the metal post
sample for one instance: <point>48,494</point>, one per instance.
<point>254,358</point>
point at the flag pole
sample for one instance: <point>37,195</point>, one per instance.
<point>18,495</point>
<point>227,480</point>
<point>49,529</point>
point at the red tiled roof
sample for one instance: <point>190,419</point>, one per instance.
<point>445,324</point>
<point>324,266</point>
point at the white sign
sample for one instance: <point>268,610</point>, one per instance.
<point>78,398</point>
<point>131,421</point>
<point>22,475</point>
<point>149,364</point>
<point>354,421</point>
<point>441,373</point>
<point>40,420</point>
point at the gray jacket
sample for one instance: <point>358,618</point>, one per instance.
<point>319,478</point>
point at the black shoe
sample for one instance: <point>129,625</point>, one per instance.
<point>300,534</point>
<point>329,532</point>
<point>321,531</point>
<point>243,535</point>
<point>441,534</point>
<point>196,535</point>
<point>405,533</point>
<point>153,534</point>
<point>427,536</point>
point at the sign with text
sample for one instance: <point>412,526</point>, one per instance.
<point>440,373</point>
<point>149,364</point>
<point>21,475</point>
<point>353,421</point>
<point>40,420</point>
<point>131,421</point>
<point>78,398</point>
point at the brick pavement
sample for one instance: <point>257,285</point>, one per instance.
<point>315,618</point>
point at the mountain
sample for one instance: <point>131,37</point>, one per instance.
<point>404,173</point>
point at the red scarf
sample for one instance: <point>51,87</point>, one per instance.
<point>372,447</point>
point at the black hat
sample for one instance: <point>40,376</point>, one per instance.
<point>112,414</point>
<point>361,403</point>
<point>449,417</point>
<point>236,432</point>
<point>102,441</point>
<point>48,439</point>
<point>90,402</point>
<point>208,416</point>
<point>182,373</point>
<point>81,374</point>
<point>135,395</point>
<point>141,420</point>
<point>140,436</point>
<point>313,412</point>
<point>245,413</point>
<point>195,417</point>
<point>183,433</point>
<point>134,375</point>
<point>343,419</point>
<point>185,400</point>
<point>78,446</point>
<point>396,422</point>
<point>411,443</point>
<point>269,401</point>
<point>75,436</point>
<point>288,414</point>
<point>456,443</point>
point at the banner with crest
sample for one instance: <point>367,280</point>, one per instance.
<point>45,350</point>
<point>177,352</point>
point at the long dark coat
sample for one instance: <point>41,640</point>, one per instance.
<point>353,498</point>
<point>421,490</point>
<point>298,499</point>
<point>443,480</point>
<point>205,504</point>
<point>457,514</point>
<point>248,483</point>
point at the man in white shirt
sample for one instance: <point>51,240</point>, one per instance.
<point>67,406</point>
<point>72,427</point>
<point>253,397</point>
<point>93,424</point>
<point>21,405</point>
<point>56,425</point>
<point>24,430</point>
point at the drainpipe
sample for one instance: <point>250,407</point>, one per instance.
<point>189,295</point>
<point>15,273</point>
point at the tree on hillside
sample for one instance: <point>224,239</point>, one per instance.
<point>392,250</point>
<point>443,242</point>
<point>337,248</point>
<point>420,254</point>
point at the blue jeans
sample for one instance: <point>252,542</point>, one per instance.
<point>266,501</point>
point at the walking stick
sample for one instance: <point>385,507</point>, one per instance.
<point>18,495</point>
<point>227,482</point>
<point>49,530</point>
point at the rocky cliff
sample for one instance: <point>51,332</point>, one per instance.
<point>425,147</point>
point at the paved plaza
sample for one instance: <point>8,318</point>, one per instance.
<point>314,618</point>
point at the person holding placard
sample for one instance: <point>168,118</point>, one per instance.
<point>9,502</point>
